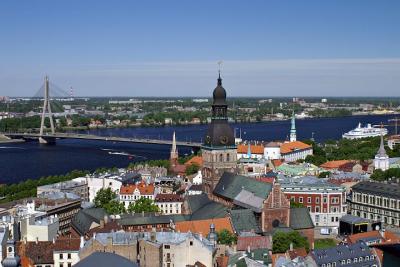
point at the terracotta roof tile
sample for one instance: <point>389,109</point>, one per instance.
<point>255,149</point>
<point>198,160</point>
<point>67,244</point>
<point>289,147</point>
<point>356,237</point>
<point>297,252</point>
<point>203,226</point>
<point>334,164</point>
<point>142,187</point>
<point>254,242</point>
<point>38,253</point>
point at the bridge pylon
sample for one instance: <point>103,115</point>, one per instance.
<point>46,112</point>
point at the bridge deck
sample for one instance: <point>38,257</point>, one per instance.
<point>103,138</point>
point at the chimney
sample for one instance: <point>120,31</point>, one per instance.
<point>102,223</point>
<point>54,241</point>
<point>153,234</point>
<point>291,247</point>
<point>109,240</point>
<point>105,219</point>
<point>248,249</point>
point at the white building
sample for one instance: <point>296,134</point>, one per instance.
<point>179,249</point>
<point>381,160</point>
<point>96,183</point>
<point>66,251</point>
<point>272,151</point>
<point>293,151</point>
<point>169,203</point>
<point>132,192</point>
<point>39,228</point>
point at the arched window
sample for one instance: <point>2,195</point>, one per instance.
<point>227,157</point>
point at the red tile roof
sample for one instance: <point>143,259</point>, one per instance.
<point>372,234</point>
<point>297,252</point>
<point>197,160</point>
<point>255,149</point>
<point>36,253</point>
<point>289,147</point>
<point>334,164</point>
<point>203,226</point>
<point>143,188</point>
<point>67,244</point>
<point>254,242</point>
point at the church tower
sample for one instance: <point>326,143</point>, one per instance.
<point>219,149</point>
<point>381,160</point>
<point>293,137</point>
<point>173,158</point>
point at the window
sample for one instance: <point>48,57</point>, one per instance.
<point>355,260</point>
<point>61,256</point>
<point>300,199</point>
<point>166,247</point>
<point>360,259</point>
<point>325,199</point>
<point>69,256</point>
<point>308,199</point>
<point>348,261</point>
<point>317,200</point>
<point>366,258</point>
<point>191,243</point>
<point>69,264</point>
<point>293,199</point>
<point>343,262</point>
<point>317,209</point>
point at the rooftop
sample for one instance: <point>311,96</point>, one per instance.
<point>203,226</point>
<point>105,259</point>
<point>290,147</point>
<point>377,188</point>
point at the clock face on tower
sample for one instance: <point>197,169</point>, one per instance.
<point>223,139</point>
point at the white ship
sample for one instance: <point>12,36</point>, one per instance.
<point>362,132</point>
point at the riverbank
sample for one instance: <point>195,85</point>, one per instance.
<point>6,140</point>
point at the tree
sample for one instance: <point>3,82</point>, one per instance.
<point>296,204</point>
<point>143,205</point>
<point>225,237</point>
<point>324,174</point>
<point>192,169</point>
<point>104,197</point>
<point>281,241</point>
<point>114,207</point>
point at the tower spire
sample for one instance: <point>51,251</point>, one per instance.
<point>293,136</point>
<point>174,152</point>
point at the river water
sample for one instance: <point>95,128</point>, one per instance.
<point>21,161</point>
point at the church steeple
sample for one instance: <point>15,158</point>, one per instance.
<point>293,136</point>
<point>381,160</point>
<point>174,152</point>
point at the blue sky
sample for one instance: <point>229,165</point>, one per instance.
<point>171,48</point>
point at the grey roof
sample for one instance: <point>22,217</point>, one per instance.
<point>348,218</point>
<point>249,200</point>
<point>105,259</point>
<point>82,221</point>
<point>376,188</point>
<point>230,185</point>
<point>138,219</point>
<point>345,252</point>
<point>244,220</point>
<point>119,238</point>
<point>204,208</point>
<point>300,219</point>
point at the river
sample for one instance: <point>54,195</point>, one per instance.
<point>21,161</point>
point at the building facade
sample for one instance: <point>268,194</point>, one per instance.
<point>130,193</point>
<point>169,203</point>
<point>326,202</point>
<point>376,201</point>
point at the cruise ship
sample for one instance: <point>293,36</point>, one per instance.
<point>362,132</point>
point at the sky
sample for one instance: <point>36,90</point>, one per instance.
<point>171,48</point>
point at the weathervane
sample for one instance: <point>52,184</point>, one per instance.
<point>219,66</point>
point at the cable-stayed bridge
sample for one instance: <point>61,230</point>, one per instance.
<point>51,137</point>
